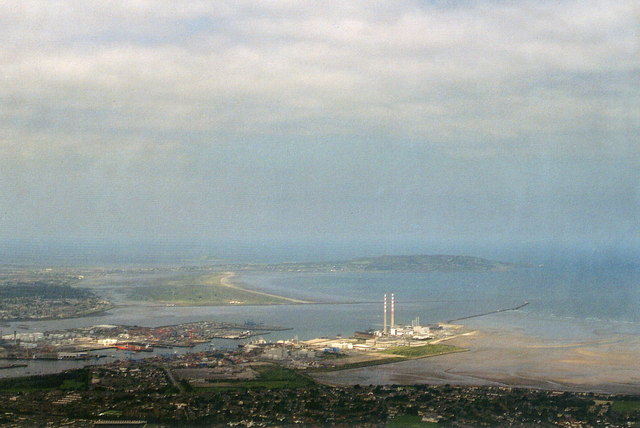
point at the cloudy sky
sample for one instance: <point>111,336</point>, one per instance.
<point>494,121</point>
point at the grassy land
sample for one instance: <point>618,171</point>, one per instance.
<point>623,406</point>
<point>423,351</point>
<point>202,290</point>
<point>401,353</point>
<point>269,377</point>
<point>409,421</point>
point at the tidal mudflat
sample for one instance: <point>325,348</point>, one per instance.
<point>500,358</point>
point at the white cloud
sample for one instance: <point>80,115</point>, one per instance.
<point>116,101</point>
<point>243,69</point>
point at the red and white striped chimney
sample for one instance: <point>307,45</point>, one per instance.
<point>393,312</point>
<point>384,328</point>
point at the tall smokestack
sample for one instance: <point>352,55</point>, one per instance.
<point>393,312</point>
<point>384,328</point>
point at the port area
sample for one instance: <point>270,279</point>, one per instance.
<point>76,343</point>
<point>321,354</point>
<point>287,363</point>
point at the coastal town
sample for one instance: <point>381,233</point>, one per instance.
<point>269,383</point>
<point>232,388</point>
<point>45,299</point>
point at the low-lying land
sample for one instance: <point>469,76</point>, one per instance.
<point>204,289</point>
<point>500,358</point>
<point>394,354</point>
<point>424,350</point>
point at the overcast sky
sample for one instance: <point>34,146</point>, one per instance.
<point>493,121</point>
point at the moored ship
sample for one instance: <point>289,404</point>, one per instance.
<point>134,347</point>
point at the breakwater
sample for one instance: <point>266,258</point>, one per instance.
<point>525,303</point>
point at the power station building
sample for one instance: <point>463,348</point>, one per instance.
<point>415,330</point>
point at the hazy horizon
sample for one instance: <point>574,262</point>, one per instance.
<point>54,252</point>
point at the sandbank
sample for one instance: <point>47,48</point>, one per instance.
<point>226,281</point>
<point>512,359</point>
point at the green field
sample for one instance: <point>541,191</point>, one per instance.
<point>269,377</point>
<point>201,290</point>
<point>423,351</point>
<point>624,406</point>
<point>409,421</point>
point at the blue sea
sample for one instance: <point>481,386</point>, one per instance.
<point>581,297</point>
<point>563,303</point>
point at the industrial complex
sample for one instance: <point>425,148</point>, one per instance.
<point>363,346</point>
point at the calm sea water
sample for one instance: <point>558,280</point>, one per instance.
<point>564,302</point>
<point>567,302</point>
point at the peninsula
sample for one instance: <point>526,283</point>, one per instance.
<point>47,299</point>
<point>205,289</point>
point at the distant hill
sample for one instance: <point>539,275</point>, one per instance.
<point>413,263</point>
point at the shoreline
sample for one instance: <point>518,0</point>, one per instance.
<point>95,313</point>
<point>505,358</point>
<point>225,281</point>
<point>193,292</point>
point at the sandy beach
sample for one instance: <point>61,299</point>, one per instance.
<point>227,281</point>
<point>608,365</point>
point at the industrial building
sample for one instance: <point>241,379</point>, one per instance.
<point>414,331</point>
